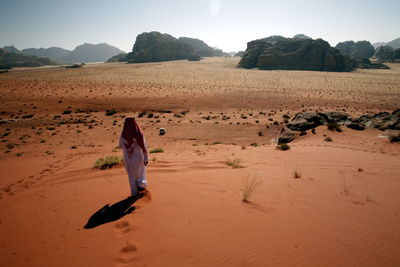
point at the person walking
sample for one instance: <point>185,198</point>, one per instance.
<point>133,144</point>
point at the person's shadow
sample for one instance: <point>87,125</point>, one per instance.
<point>112,213</point>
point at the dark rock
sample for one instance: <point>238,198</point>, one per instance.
<point>9,60</point>
<point>122,57</point>
<point>360,49</point>
<point>156,47</point>
<point>287,136</point>
<point>11,49</point>
<point>335,116</point>
<point>239,54</point>
<point>281,53</point>
<point>364,63</point>
<point>194,57</point>
<point>305,121</point>
<point>75,66</point>
<point>200,48</point>
<point>384,52</point>
<point>301,36</point>
<point>356,126</point>
<point>310,120</point>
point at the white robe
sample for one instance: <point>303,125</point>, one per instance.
<point>134,164</point>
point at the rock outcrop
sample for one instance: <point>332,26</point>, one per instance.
<point>360,49</point>
<point>200,48</point>
<point>155,47</point>
<point>9,60</point>
<point>304,121</point>
<point>365,63</point>
<point>301,36</point>
<point>387,53</point>
<point>280,53</point>
<point>122,57</point>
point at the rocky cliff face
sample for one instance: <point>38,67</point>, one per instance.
<point>9,60</point>
<point>294,54</point>
<point>155,47</point>
<point>360,49</point>
<point>199,47</point>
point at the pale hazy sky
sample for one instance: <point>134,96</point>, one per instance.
<point>227,24</point>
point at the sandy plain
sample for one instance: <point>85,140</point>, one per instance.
<point>344,210</point>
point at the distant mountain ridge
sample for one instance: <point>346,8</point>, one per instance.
<point>91,53</point>
<point>394,43</point>
<point>10,59</point>
<point>83,53</point>
<point>54,53</point>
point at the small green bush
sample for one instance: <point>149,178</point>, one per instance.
<point>65,112</point>
<point>110,112</point>
<point>328,139</point>
<point>157,150</point>
<point>108,162</point>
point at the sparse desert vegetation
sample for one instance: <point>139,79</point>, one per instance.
<point>234,163</point>
<point>249,184</point>
<point>157,150</point>
<point>107,162</point>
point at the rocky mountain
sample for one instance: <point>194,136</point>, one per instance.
<point>11,49</point>
<point>84,53</point>
<point>156,47</point>
<point>91,53</point>
<point>387,53</point>
<point>378,44</point>
<point>394,44</point>
<point>277,52</point>
<point>10,60</point>
<point>199,46</point>
<point>239,54</point>
<point>301,36</point>
<point>360,49</point>
<point>54,53</point>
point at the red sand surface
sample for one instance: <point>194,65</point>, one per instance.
<point>344,210</point>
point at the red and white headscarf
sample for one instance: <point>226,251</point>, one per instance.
<point>132,131</point>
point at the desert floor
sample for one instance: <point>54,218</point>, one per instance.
<point>344,210</point>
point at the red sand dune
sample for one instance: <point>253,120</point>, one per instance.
<point>343,211</point>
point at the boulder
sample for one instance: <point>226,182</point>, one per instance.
<point>287,136</point>
<point>305,121</point>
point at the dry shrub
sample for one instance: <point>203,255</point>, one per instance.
<point>234,163</point>
<point>248,186</point>
<point>108,162</point>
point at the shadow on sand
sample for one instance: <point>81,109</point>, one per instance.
<point>112,213</point>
